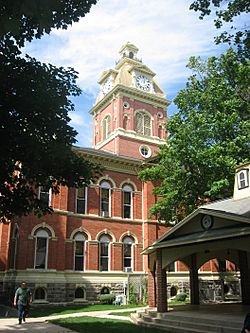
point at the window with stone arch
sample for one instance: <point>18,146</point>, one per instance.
<point>105,199</point>
<point>143,124</point>
<point>128,242</point>
<point>41,249</point>
<point>127,202</point>
<point>104,251</point>
<point>106,127</point>
<point>79,251</point>
<point>40,294</point>
<point>80,293</point>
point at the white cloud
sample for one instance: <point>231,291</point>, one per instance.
<point>165,31</point>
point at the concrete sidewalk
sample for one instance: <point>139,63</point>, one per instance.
<point>35,324</point>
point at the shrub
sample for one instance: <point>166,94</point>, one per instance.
<point>181,297</point>
<point>107,298</point>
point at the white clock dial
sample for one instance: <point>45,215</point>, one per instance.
<point>106,87</point>
<point>142,82</point>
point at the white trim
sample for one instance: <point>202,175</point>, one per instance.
<point>128,181</point>
<point>105,232</point>
<point>46,252</point>
<point>84,256</point>
<point>43,225</point>
<point>49,192</point>
<point>80,230</point>
<point>86,199</point>
<point>106,178</point>
<point>128,234</point>
<point>109,253</point>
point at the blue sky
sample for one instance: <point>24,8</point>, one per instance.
<point>166,32</point>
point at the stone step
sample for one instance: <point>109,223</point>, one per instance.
<point>185,324</point>
<point>200,317</point>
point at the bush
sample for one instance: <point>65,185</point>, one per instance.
<point>181,297</point>
<point>107,298</point>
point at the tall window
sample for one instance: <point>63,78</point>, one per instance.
<point>127,253</point>
<point>41,253</point>
<point>127,201</point>
<point>106,127</point>
<point>104,253</point>
<point>143,123</point>
<point>105,191</point>
<point>45,195</point>
<point>14,249</point>
<point>79,240</point>
<point>81,200</point>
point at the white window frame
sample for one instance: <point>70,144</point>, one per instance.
<point>49,192</point>
<point>245,179</point>
<point>42,235</point>
<point>85,198</point>
<point>107,186</point>
<point>129,241</point>
<point>100,256</point>
<point>127,189</point>
<point>80,238</point>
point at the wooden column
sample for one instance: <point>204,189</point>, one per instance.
<point>244,277</point>
<point>161,282</point>
<point>194,281</point>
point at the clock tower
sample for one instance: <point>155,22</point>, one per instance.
<point>130,110</point>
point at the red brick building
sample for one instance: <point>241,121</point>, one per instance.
<point>92,243</point>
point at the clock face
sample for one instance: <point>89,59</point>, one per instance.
<point>106,87</point>
<point>142,82</point>
<point>207,222</point>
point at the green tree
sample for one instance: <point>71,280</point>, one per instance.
<point>226,11</point>
<point>24,20</point>
<point>208,137</point>
<point>36,139</point>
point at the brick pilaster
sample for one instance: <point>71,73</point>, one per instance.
<point>161,294</point>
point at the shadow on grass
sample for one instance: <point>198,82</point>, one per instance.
<point>96,325</point>
<point>42,311</point>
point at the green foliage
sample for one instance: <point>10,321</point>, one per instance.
<point>181,297</point>
<point>132,295</point>
<point>208,137</point>
<point>107,298</point>
<point>36,140</point>
<point>24,20</point>
<point>226,12</point>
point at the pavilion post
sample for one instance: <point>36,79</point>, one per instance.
<point>161,294</point>
<point>194,281</point>
<point>244,277</point>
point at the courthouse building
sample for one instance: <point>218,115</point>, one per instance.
<point>92,243</point>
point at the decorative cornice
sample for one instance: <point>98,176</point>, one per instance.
<point>123,90</point>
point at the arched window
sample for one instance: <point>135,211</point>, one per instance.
<point>81,200</point>
<point>105,291</point>
<point>127,192</point>
<point>80,293</point>
<point>105,192</point>
<point>143,123</point>
<point>41,252</point>
<point>106,127</point>
<point>160,132</point>
<point>125,122</point>
<point>128,254</point>
<point>40,294</point>
<point>104,253</point>
<point>243,179</point>
<point>79,251</point>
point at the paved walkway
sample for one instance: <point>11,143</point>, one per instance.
<point>35,324</point>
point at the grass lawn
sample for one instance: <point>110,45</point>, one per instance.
<point>125,313</point>
<point>60,310</point>
<point>97,325</point>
